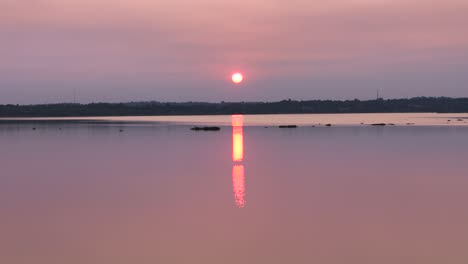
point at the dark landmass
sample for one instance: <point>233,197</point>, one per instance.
<point>207,128</point>
<point>412,105</point>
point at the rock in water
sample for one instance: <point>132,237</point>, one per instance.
<point>208,128</point>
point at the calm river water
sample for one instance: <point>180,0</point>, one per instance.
<point>150,190</point>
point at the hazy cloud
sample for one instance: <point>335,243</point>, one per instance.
<point>185,50</point>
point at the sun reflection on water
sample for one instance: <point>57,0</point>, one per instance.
<point>237,138</point>
<point>238,157</point>
<point>238,184</point>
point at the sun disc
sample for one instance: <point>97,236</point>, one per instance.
<point>237,77</point>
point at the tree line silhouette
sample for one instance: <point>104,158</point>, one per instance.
<point>411,105</point>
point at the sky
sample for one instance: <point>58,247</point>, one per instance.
<point>186,50</point>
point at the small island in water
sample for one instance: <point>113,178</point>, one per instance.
<point>153,108</point>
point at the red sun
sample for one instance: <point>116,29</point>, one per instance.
<point>237,77</point>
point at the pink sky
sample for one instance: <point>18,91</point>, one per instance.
<point>182,50</point>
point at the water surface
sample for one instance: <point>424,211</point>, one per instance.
<point>157,192</point>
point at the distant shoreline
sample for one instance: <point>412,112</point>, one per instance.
<point>153,108</point>
<point>266,121</point>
